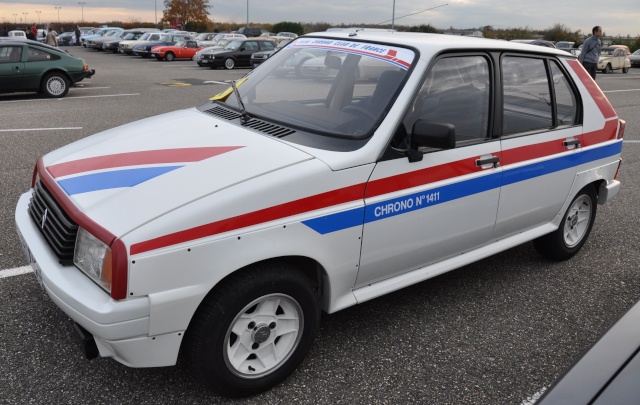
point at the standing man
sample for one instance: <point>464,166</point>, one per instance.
<point>51,38</point>
<point>34,31</point>
<point>78,33</point>
<point>590,53</point>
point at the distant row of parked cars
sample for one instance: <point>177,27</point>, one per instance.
<point>214,50</point>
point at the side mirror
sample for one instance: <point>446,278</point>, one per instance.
<point>332,62</point>
<point>433,135</point>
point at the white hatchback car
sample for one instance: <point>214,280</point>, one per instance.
<point>286,196</point>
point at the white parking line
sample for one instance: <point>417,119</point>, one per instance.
<point>620,91</point>
<point>533,398</point>
<point>15,271</point>
<point>76,87</point>
<point>37,129</point>
<point>69,98</point>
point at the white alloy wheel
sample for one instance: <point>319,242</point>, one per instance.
<point>263,336</point>
<point>577,221</point>
<point>55,85</point>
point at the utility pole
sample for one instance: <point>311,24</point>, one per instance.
<point>38,16</point>
<point>58,8</point>
<point>82,3</point>
<point>393,16</point>
<point>247,13</point>
<point>15,18</point>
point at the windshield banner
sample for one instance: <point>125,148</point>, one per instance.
<point>398,56</point>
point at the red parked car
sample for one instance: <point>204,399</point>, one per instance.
<point>180,50</point>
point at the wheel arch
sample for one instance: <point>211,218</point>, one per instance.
<point>55,70</point>
<point>310,268</point>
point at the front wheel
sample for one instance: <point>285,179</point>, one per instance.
<point>607,69</point>
<point>574,229</point>
<point>229,63</point>
<point>170,57</point>
<point>252,331</point>
<point>55,85</point>
<point>625,70</point>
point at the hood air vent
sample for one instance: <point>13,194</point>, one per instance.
<point>253,123</point>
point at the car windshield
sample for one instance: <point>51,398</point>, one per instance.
<point>166,38</point>
<point>327,87</point>
<point>636,52</point>
<point>130,36</point>
<point>233,45</point>
<point>181,43</point>
<point>607,52</point>
<point>145,36</point>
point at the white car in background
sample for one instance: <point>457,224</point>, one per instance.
<point>613,59</point>
<point>17,34</point>
<point>126,47</point>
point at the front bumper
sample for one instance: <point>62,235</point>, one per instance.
<point>212,62</point>
<point>120,328</point>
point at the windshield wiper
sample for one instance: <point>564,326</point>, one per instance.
<point>244,115</point>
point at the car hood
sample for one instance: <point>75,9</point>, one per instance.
<point>128,176</point>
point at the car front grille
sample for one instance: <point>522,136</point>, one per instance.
<point>55,225</point>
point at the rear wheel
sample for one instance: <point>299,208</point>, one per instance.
<point>574,229</point>
<point>229,63</point>
<point>170,56</point>
<point>55,85</point>
<point>252,331</point>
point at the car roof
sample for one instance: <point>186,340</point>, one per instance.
<point>433,43</point>
<point>16,41</point>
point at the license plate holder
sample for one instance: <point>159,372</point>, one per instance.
<point>32,261</point>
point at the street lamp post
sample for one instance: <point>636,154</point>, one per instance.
<point>247,13</point>
<point>393,16</point>
<point>15,18</point>
<point>58,8</point>
<point>25,17</point>
<point>82,3</point>
<point>38,16</point>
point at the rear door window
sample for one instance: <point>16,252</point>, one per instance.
<point>531,101</point>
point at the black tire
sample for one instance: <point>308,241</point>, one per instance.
<point>55,85</point>
<point>625,70</point>
<point>248,311</point>
<point>229,63</point>
<point>607,69</point>
<point>574,229</point>
<point>200,64</point>
<point>170,57</point>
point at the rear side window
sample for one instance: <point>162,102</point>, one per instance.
<point>566,103</point>
<point>38,55</point>
<point>267,46</point>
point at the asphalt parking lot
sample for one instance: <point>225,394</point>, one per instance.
<point>495,332</point>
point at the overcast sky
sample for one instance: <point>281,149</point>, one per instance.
<point>617,17</point>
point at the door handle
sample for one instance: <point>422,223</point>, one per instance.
<point>494,160</point>
<point>15,68</point>
<point>572,142</point>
